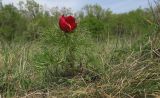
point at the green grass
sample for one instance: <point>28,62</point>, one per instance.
<point>74,65</point>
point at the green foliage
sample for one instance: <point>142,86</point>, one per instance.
<point>12,24</point>
<point>108,55</point>
<point>62,54</point>
<point>31,20</point>
<point>95,26</point>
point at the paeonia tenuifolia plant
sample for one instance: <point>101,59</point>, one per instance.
<point>67,23</point>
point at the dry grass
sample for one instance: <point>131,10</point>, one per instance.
<point>114,71</point>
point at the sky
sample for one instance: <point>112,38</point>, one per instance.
<point>117,6</point>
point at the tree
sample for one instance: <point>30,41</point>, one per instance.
<point>94,10</point>
<point>33,8</point>
<point>1,5</point>
<point>12,24</point>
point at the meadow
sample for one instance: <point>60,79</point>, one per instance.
<point>108,55</point>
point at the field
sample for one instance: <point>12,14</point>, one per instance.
<point>107,56</point>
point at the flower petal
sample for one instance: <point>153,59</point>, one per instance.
<point>67,24</point>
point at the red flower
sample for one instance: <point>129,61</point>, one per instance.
<point>67,23</point>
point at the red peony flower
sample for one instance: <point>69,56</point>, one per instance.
<point>67,23</point>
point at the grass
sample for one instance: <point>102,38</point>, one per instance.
<point>74,66</point>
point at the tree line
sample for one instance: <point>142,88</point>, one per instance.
<point>29,20</point>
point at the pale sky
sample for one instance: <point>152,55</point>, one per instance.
<point>117,6</point>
